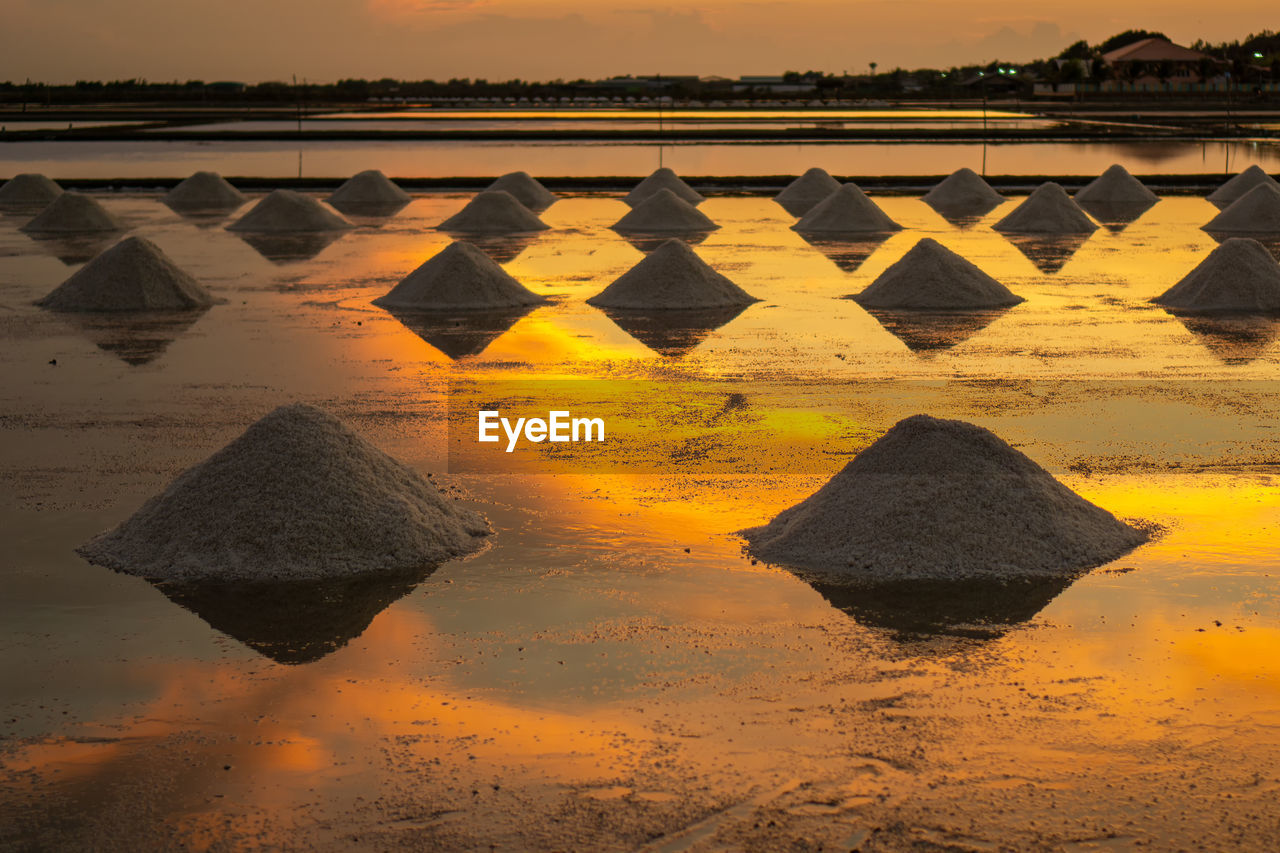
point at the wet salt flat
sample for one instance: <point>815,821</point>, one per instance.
<point>612,672</point>
<point>134,158</point>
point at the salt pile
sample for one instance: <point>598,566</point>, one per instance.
<point>28,191</point>
<point>460,278</point>
<point>963,192</point>
<point>671,277</point>
<point>1233,189</point>
<point>1115,186</point>
<point>664,211</point>
<point>133,275</point>
<point>943,499</point>
<point>72,213</point>
<point>1239,276</point>
<point>368,189</point>
<point>931,276</point>
<point>285,211</point>
<point>846,211</point>
<point>526,189</point>
<point>1048,210</point>
<point>298,495</point>
<point>663,178</point>
<point>204,191</point>
<point>804,192</point>
<point>493,212</point>
<point>1257,211</point>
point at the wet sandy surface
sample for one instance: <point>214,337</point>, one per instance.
<point>613,673</point>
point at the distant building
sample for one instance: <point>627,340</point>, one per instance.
<point>775,85</point>
<point>1156,64</point>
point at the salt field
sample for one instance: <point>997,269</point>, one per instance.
<point>610,668</point>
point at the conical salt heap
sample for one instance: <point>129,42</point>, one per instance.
<point>846,211</point>
<point>204,191</point>
<point>28,191</point>
<point>1257,211</point>
<point>460,278</point>
<point>526,189</point>
<point>671,278</point>
<point>804,192</point>
<point>298,496</point>
<point>493,212</point>
<point>963,192</point>
<point>368,189</point>
<point>1115,186</point>
<point>1233,189</point>
<point>284,211</point>
<point>1239,276</point>
<point>932,277</point>
<point>133,275</point>
<point>1048,210</point>
<point>942,499</point>
<point>664,211</point>
<point>72,213</point>
<point>663,178</point>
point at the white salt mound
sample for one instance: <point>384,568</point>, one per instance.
<point>28,191</point>
<point>369,188</point>
<point>846,211</point>
<point>804,192</point>
<point>661,179</point>
<point>133,275</point>
<point>204,191</point>
<point>1048,210</point>
<point>526,189</point>
<point>493,212</point>
<point>963,191</point>
<point>1115,186</point>
<point>284,211</point>
<point>298,496</point>
<point>671,277</point>
<point>932,277</point>
<point>460,278</point>
<point>1256,211</point>
<point>1233,189</point>
<point>943,499</point>
<point>664,211</point>
<point>1239,276</point>
<point>72,213</point>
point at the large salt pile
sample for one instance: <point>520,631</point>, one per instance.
<point>28,191</point>
<point>846,211</point>
<point>298,495</point>
<point>368,190</point>
<point>1257,211</point>
<point>493,212</point>
<point>664,211</point>
<point>932,277</point>
<point>72,213</point>
<point>943,499</point>
<point>526,189</point>
<point>1233,189</point>
<point>804,192</point>
<point>1115,186</point>
<point>1048,210</point>
<point>204,191</point>
<point>1239,276</point>
<point>285,211</point>
<point>133,275</point>
<point>963,193</point>
<point>460,278</point>
<point>671,277</point>
<point>663,178</point>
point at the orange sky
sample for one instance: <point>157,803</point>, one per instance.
<point>323,40</point>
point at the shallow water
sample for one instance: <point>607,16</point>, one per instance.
<point>612,672</point>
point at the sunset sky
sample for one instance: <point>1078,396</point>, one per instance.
<point>324,40</point>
